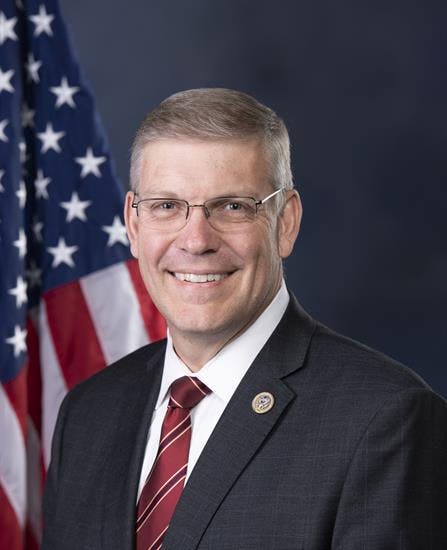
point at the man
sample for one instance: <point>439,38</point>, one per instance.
<point>252,426</point>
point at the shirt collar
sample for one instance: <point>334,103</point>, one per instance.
<point>223,372</point>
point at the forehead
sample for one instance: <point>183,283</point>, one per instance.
<point>210,167</point>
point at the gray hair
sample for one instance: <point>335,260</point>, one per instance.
<point>216,114</point>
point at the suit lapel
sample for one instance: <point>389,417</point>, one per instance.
<point>124,466</point>
<point>240,431</point>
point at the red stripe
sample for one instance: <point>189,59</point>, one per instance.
<point>34,377</point>
<point>16,391</point>
<point>30,540</point>
<point>154,322</point>
<point>76,343</point>
<point>10,533</point>
<point>43,470</point>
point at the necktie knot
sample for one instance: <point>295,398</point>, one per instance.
<point>187,392</point>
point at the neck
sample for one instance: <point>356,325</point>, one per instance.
<point>196,350</point>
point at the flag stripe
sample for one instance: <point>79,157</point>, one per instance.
<point>31,543</point>
<point>10,529</point>
<point>17,396</point>
<point>12,458</point>
<point>34,380</point>
<point>54,387</point>
<point>34,484</point>
<point>155,324</point>
<point>75,340</point>
<point>116,339</point>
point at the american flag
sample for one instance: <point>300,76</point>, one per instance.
<point>71,299</point>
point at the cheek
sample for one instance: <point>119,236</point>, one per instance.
<point>149,253</point>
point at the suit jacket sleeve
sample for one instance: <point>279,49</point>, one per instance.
<point>395,492</point>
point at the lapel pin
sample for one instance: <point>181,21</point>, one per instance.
<point>263,402</point>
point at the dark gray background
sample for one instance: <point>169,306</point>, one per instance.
<point>362,87</point>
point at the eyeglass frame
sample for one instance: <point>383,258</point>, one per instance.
<point>257,203</point>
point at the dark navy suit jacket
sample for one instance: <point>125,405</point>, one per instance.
<point>353,455</point>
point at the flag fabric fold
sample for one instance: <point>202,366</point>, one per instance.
<point>71,298</point>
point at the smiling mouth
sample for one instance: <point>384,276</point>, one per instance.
<point>200,278</point>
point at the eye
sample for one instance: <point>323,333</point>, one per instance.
<point>165,205</point>
<point>234,206</point>
<point>164,208</point>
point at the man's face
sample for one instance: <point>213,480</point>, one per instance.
<point>248,260</point>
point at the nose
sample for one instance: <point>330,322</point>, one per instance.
<point>197,236</point>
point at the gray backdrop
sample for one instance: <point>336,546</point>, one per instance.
<point>362,87</point>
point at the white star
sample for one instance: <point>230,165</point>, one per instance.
<point>2,173</point>
<point>41,184</point>
<point>18,340</point>
<point>5,81</point>
<point>50,139</point>
<point>21,194</point>
<point>34,275</point>
<point>116,231</point>
<point>42,21</point>
<point>3,124</point>
<point>75,208</point>
<point>90,163</point>
<point>33,67</point>
<point>20,243</point>
<point>37,230</point>
<point>64,93</point>
<point>62,253</point>
<point>27,116</point>
<point>6,28</point>
<point>19,291</point>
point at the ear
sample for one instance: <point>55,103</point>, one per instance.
<point>289,223</point>
<point>131,221</point>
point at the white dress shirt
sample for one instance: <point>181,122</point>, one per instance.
<point>222,374</point>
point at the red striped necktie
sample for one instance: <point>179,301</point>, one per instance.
<point>164,485</point>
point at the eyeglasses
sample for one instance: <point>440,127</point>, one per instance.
<point>222,213</point>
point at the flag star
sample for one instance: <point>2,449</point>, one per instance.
<point>19,291</point>
<point>42,21</point>
<point>6,28</point>
<point>50,139</point>
<point>18,340</point>
<point>90,164</point>
<point>3,124</point>
<point>75,208</point>
<point>5,81</point>
<point>37,230</point>
<point>62,253</point>
<point>21,194</point>
<point>116,231</point>
<point>41,184</point>
<point>64,93</point>
<point>33,67</point>
<point>2,173</point>
<point>27,116</point>
<point>33,275</point>
<point>20,243</point>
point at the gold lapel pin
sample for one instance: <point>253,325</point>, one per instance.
<point>263,402</point>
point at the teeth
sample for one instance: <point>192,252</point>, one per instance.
<point>194,278</point>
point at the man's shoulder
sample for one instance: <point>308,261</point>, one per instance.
<point>356,367</point>
<point>339,363</point>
